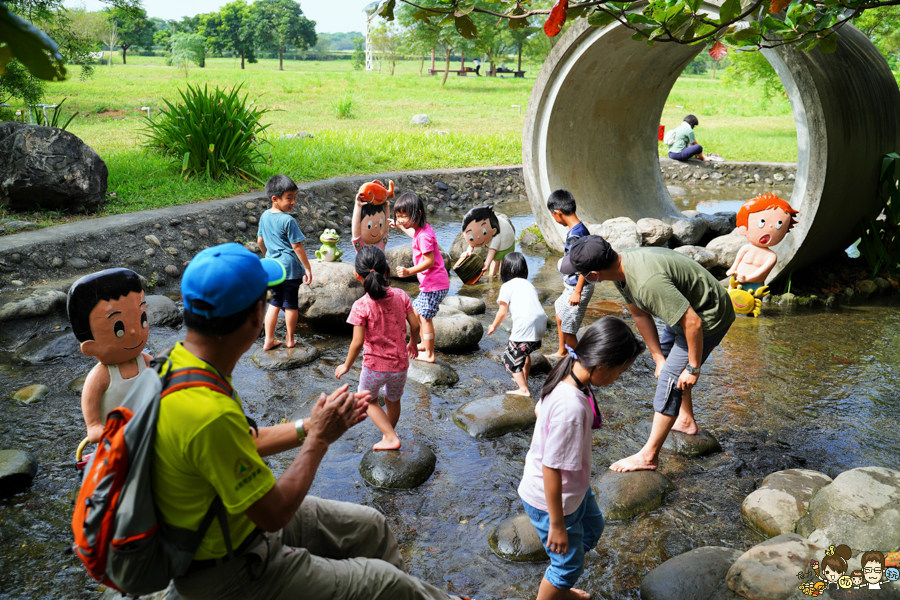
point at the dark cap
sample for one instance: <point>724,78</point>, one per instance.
<point>588,253</point>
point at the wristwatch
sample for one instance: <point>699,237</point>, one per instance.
<point>692,369</point>
<point>301,433</point>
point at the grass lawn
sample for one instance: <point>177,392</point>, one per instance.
<point>482,116</point>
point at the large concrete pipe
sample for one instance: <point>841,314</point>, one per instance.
<point>595,107</point>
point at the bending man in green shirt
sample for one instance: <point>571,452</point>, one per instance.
<point>657,282</point>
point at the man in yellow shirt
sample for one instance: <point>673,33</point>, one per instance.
<point>286,543</point>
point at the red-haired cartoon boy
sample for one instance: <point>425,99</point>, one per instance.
<point>764,220</point>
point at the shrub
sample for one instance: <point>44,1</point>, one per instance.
<point>343,107</point>
<point>880,237</point>
<point>215,133</point>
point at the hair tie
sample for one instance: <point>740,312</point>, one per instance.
<point>571,352</point>
<point>830,551</point>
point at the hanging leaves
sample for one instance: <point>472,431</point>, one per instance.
<point>557,17</point>
<point>778,5</point>
<point>718,51</point>
<point>466,27</point>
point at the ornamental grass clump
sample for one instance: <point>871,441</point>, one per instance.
<point>213,133</point>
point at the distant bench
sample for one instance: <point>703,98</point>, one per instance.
<point>460,72</point>
<point>514,73</point>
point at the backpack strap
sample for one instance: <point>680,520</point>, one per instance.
<point>191,377</point>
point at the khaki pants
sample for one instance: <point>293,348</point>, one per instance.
<point>329,550</point>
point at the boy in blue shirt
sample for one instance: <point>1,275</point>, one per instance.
<point>281,239</point>
<point>577,292</point>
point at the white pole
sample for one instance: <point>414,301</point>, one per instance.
<point>369,65</point>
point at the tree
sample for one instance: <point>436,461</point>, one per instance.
<point>882,26</point>
<point>387,41</point>
<point>187,48</point>
<point>111,37</point>
<point>520,39</point>
<point>280,23</point>
<point>425,30</point>
<point>234,30</point>
<point>133,29</point>
<point>492,42</point>
<point>359,54</point>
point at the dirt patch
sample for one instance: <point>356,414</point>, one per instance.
<point>116,114</point>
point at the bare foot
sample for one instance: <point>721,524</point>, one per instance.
<point>634,462</point>
<point>291,343</point>
<point>583,595</point>
<point>690,428</point>
<point>386,444</point>
<point>556,355</point>
<point>275,344</point>
<point>520,393</point>
<point>429,358</point>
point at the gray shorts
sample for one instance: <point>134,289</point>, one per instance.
<point>674,347</point>
<point>570,317</point>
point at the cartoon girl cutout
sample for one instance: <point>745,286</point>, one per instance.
<point>834,565</point>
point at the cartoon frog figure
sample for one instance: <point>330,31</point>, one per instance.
<point>329,252</point>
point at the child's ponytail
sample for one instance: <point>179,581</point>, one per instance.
<point>609,342</point>
<point>372,266</point>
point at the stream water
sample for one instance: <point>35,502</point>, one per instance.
<point>803,389</point>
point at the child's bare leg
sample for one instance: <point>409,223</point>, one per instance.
<point>570,340</point>
<point>427,354</point>
<point>527,369</point>
<point>561,352</point>
<point>549,592</point>
<point>520,380</point>
<point>270,323</point>
<point>493,269</point>
<point>291,316</point>
<point>393,411</point>
<point>389,440</point>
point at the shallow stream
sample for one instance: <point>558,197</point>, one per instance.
<point>804,389</point>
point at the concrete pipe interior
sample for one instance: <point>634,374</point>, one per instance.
<point>595,107</point>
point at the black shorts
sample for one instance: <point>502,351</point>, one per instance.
<point>516,353</point>
<point>285,294</point>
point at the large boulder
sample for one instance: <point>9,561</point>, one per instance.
<point>436,374</point>
<point>283,358</point>
<point>48,168</point>
<point>517,540</point>
<point>457,333</point>
<point>496,415</point>
<point>687,232</point>
<point>720,223</point>
<point>17,470</point>
<point>331,296</point>
<point>162,312</point>
<point>782,500</point>
<point>401,256</point>
<point>623,495</point>
<point>860,508</point>
<point>699,444</point>
<point>40,304</point>
<point>406,468</point>
<point>725,248</point>
<point>466,304</point>
<point>47,347</point>
<point>654,232</point>
<point>621,232</point>
<point>700,254</point>
<point>768,571</point>
<point>694,575</point>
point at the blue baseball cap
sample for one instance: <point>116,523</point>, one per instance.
<point>229,278</point>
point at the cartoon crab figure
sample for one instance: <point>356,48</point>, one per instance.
<point>746,302</point>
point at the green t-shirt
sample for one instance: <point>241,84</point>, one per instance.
<point>684,136</point>
<point>204,447</point>
<point>665,283</point>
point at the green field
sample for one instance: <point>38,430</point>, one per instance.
<point>483,117</point>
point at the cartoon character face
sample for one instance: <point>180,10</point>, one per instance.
<point>829,575</point>
<point>329,236</point>
<point>845,582</point>
<point>857,581</point>
<point>479,233</point>
<point>892,574</point>
<point>373,228</point>
<point>872,571</point>
<point>767,227</point>
<point>120,329</point>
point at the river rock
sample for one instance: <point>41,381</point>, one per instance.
<point>470,306</point>
<point>32,393</point>
<point>401,256</point>
<point>720,223</point>
<point>457,333</point>
<point>37,305</point>
<point>700,444</point>
<point>675,190</point>
<point>867,287</point>
<point>517,540</point>
<point>687,232</point>
<point>448,311</point>
<point>860,508</point>
<point>47,347</point>
<point>621,232</point>
<point>420,120</point>
<point>283,358</point>
<point>459,247</point>
<point>654,232</point>
<point>624,495</point>
<point>700,254</point>
<point>694,575</point>
<point>782,500</point>
<point>726,248</point>
<point>434,374</point>
<point>17,471</point>
<point>162,312</point>
<point>76,386</point>
<point>496,415</point>
<point>48,168</point>
<point>406,468</point>
<point>539,363</point>
<point>331,296</point>
<point>768,571</point>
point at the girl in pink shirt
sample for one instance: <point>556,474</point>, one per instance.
<point>434,282</point>
<point>379,329</point>
<point>556,484</point>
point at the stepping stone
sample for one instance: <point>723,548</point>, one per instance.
<point>782,500</point>
<point>47,347</point>
<point>517,540</point>
<point>32,393</point>
<point>457,333</point>
<point>17,471</point>
<point>76,386</point>
<point>468,305</point>
<point>162,312</point>
<point>282,358</point>
<point>689,576</point>
<point>701,444</point>
<point>768,571</point>
<point>434,374</point>
<point>448,311</point>
<point>624,495</point>
<point>496,415</point>
<point>406,468</point>
<point>540,364</point>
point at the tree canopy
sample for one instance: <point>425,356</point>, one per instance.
<point>280,23</point>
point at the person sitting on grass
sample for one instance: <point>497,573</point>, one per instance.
<point>281,239</point>
<point>685,145</point>
<point>519,298</point>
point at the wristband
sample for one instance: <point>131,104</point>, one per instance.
<point>301,433</point>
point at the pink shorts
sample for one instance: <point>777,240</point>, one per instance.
<point>376,382</point>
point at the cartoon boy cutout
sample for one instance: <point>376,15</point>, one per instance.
<point>108,313</point>
<point>873,567</point>
<point>764,221</point>
<point>857,578</point>
<point>369,225</point>
<point>483,227</point>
